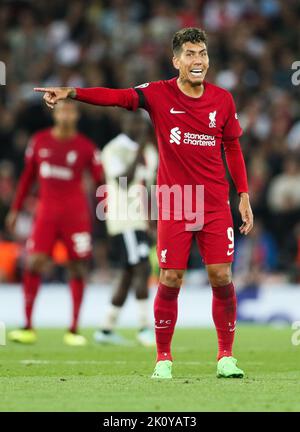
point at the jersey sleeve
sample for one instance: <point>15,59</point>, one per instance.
<point>148,94</point>
<point>232,128</point>
<point>236,165</point>
<point>27,177</point>
<point>95,163</point>
<point>124,98</point>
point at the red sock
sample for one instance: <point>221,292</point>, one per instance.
<point>165,314</point>
<point>224,316</point>
<point>77,288</point>
<point>31,283</point>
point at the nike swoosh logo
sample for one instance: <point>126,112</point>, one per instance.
<point>230,253</point>
<point>172,111</point>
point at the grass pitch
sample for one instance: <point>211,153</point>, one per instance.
<point>52,377</point>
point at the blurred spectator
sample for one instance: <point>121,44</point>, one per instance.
<point>255,256</point>
<point>290,256</point>
<point>7,184</point>
<point>284,198</point>
<point>284,190</point>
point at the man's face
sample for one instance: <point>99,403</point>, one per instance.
<point>133,125</point>
<point>66,114</point>
<point>192,62</point>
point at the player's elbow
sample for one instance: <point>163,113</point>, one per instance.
<point>231,146</point>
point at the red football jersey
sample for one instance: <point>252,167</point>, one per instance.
<point>58,166</point>
<point>190,132</point>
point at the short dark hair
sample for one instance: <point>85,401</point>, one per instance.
<point>188,34</point>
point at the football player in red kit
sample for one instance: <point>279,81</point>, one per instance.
<point>193,119</point>
<point>57,158</point>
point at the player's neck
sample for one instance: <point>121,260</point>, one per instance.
<point>62,133</point>
<point>190,90</point>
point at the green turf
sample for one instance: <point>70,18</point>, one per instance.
<point>52,377</point>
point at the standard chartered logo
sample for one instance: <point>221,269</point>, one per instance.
<point>175,135</point>
<point>54,171</point>
<point>191,138</point>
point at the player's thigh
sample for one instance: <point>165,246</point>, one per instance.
<point>173,244</point>
<point>43,235</point>
<point>75,232</point>
<point>216,239</point>
<point>130,249</point>
<point>77,268</point>
<point>142,270</point>
<point>36,262</point>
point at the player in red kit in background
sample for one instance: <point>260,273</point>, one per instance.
<point>193,119</point>
<point>56,158</point>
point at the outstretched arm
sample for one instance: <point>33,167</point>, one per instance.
<point>125,98</point>
<point>237,169</point>
<point>95,167</point>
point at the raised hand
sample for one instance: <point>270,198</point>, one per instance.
<point>54,94</point>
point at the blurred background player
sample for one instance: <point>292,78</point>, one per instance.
<point>57,158</point>
<point>130,155</point>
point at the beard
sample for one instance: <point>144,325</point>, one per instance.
<point>195,84</point>
<point>185,80</point>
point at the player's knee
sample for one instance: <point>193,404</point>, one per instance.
<point>35,263</point>
<point>171,278</point>
<point>77,269</point>
<point>142,275</point>
<point>142,270</point>
<point>220,276</point>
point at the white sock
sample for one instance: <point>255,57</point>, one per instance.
<point>111,317</point>
<point>143,312</point>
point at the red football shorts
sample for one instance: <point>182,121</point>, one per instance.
<point>215,240</point>
<point>73,228</point>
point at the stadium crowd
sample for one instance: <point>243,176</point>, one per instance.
<point>122,43</point>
